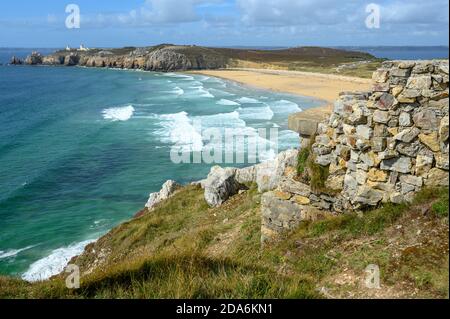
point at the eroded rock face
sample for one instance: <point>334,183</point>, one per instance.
<point>34,59</point>
<point>162,58</point>
<point>220,185</point>
<point>167,60</point>
<point>167,190</point>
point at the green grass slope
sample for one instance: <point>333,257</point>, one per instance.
<point>184,249</point>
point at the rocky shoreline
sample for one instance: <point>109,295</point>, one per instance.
<point>159,58</point>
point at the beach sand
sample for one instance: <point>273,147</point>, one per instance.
<point>321,86</point>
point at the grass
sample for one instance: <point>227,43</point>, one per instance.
<point>184,249</point>
<point>310,172</point>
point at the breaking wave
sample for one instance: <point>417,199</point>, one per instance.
<point>118,113</point>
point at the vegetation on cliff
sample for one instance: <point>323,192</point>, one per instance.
<point>167,57</point>
<point>184,249</point>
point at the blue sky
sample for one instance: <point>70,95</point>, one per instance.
<point>113,23</point>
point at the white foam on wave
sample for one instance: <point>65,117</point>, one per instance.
<point>179,129</point>
<point>221,92</point>
<point>227,102</point>
<point>256,113</point>
<point>13,252</point>
<point>248,100</point>
<point>54,263</point>
<point>178,91</point>
<point>221,120</point>
<point>284,106</point>
<point>118,113</point>
<point>287,139</point>
<point>180,76</point>
<point>199,91</point>
<point>202,92</point>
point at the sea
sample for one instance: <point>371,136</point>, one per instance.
<point>82,148</point>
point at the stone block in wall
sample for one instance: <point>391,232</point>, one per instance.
<point>437,177</point>
<point>376,175</point>
<point>364,132</point>
<point>386,102</point>
<point>409,149</point>
<point>442,161</point>
<point>407,135</point>
<point>400,72</point>
<point>426,119</point>
<point>380,76</point>
<point>424,163</point>
<point>379,144</point>
<point>368,196</point>
<point>423,67</point>
<point>431,141</point>
<point>381,117</point>
<point>405,119</point>
<point>419,82</point>
<point>295,187</point>
<point>380,130</point>
<point>278,215</point>
<point>381,87</point>
<point>444,129</point>
<point>400,164</point>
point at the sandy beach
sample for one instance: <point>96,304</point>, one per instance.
<point>321,86</point>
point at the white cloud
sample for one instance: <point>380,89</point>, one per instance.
<point>331,12</point>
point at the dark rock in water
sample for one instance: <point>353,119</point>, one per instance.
<point>34,59</point>
<point>16,61</point>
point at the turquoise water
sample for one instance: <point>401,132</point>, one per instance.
<point>81,149</point>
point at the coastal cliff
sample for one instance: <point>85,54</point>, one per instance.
<point>368,187</point>
<point>167,57</point>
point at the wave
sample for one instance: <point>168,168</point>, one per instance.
<point>178,91</point>
<point>248,100</point>
<point>284,106</point>
<point>221,92</point>
<point>118,113</point>
<point>227,102</point>
<point>222,120</point>
<point>179,129</point>
<point>13,252</point>
<point>54,263</point>
<point>256,113</point>
<point>204,93</point>
<point>180,76</point>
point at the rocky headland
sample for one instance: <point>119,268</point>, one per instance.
<point>168,57</point>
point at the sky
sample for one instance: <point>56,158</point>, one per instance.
<point>117,23</point>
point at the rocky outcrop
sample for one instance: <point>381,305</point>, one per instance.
<point>162,58</point>
<point>167,60</point>
<point>34,59</point>
<point>167,190</point>
<point>220,185</point>
<point>15,61</point>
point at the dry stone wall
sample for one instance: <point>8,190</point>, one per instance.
<point>386,144</point>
